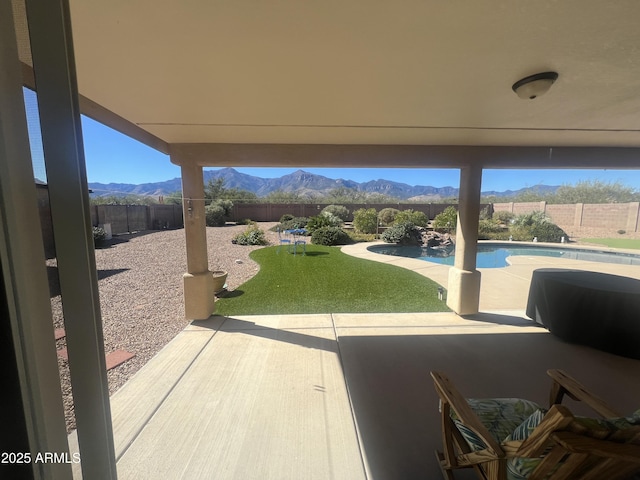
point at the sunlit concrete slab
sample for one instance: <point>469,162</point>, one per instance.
<point>265,399</point>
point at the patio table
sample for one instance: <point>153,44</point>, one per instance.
<point>588,308</point>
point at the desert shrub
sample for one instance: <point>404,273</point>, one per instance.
<point>387,216</point>
<point>403,233</point>
<point>485,213</point>
<point>217,212</point>
<point>322,220</point>
<point>411,216</point>
<point>253,235</point>
<point>330,236</point>
<point>361,237</point>
<point>214,215</point>
<point>536,224</point>
<point>99,236</point>
<point>244,221</point>
<point>365,220</point>
<point>492,230</point>
<point>294,223</point>
<point>532,218</point>
<point>447,220</point>
<point>547,232</point>
<point>286,217</point>
<point>339,211</point>
<point>503,217</point>
<point>622,232</point>
<point>334,219</point>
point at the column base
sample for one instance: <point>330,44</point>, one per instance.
<point>463,294</point>
<point>198,295</point>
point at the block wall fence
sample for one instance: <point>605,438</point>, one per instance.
<point>613,216</point>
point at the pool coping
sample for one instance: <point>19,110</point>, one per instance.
<point>505,288</point>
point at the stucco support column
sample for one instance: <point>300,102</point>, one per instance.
<point>198,281</point>
<point>463,295</point>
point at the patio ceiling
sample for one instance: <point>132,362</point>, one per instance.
<point>414,72</point>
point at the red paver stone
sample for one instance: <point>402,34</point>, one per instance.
<point>116,358</point>
<point>113,359</point>
<point>59,333</point>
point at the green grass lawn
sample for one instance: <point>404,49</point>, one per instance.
<point>632,243</point>
<point>325,280</point>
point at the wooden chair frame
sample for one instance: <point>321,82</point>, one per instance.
<point>554,439</point>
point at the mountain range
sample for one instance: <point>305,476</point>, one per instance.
<point>300,182</point>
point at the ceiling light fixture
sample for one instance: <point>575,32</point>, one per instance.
<point>534,85</point>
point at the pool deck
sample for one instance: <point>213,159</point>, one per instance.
<point>501,288</point>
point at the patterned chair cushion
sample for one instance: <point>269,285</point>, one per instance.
<point>499,415</point>
<point>520,468</point>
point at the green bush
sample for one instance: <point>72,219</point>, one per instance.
<point>503,217</point>
<point>403,233</point>
<point>99,236</point>
<point>411,216</point>
<point>330,236</point>
<point>365,220</point>
<point>548,232</point>
<point>485,213</point>
<point>294,223</point>
<point>322,220</point>
<point>286,217</point>
<point>361,237</point>
<point>339,211</point>
<point>387,216</point>
<point>253,235</point>
<point>492,230</point>
<point>532,218</point>
<point>214,215</point>
<point>447,220</point>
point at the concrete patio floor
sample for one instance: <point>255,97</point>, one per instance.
<point>340,396</point>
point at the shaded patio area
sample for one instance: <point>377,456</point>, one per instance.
<point>332,396</point>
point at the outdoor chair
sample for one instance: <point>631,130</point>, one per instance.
<point>299,241</point>
<point>515,439</point>
<point>283,239</point>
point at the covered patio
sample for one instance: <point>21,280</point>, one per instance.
<point>332,396</point>
<point>408,85</point>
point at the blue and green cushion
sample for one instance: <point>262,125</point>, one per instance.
<point>520,468</point>
<point>499,415</point>
<point>509,419</point>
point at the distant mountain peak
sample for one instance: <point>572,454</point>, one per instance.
<point>300,181</point>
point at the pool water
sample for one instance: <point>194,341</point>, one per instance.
<point>495,255</point>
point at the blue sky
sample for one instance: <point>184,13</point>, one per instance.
<point>114,158</point>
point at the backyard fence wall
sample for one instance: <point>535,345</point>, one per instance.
<point>612,216</point>
<point>123,218</point>
<point>136,218</point>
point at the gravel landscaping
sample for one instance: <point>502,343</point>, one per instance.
<point>141,299</point>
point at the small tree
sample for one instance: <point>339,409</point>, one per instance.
<point>387,216</point>
<point>339,211</point>
<point>417,218</point>
<point>365,220</point>
<point>447,220</point>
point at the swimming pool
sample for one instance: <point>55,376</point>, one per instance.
<point>495,255</point>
